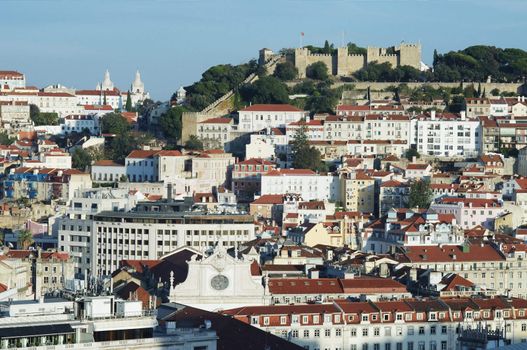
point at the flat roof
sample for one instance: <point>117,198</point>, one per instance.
<point>28,331</point>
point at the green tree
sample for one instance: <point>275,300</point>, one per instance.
<point>457,105</point>
<point>128,105</point>
<point>194,143</point>
<point>305,156</point>
<point>121,146</point>
<point>436,58</point>
<point>265,90</point>
<point>353,49</point>
<point>114,123</point>
<point>420,194</point>
<point>317,71</point>
<point>5,139</point>
<point>25,239</point>
<point>171,123</point>
<point>286,71</point>
<point>47,118</point>
<point>34,111</point>
<point>495,92</point>
<point>411,153</point>
<point>81,159</point>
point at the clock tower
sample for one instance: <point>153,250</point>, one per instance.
<point>220,281</point>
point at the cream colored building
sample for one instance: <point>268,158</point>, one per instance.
<point>358,191</point>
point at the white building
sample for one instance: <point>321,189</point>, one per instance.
<point>219,282</point>
<point>268,143</point>
<point>470,212</point>
<point>12,80</point>
<point>79,123</point>
<point>14,115</point>
<point>308,184</point>
<point>261,116</point>
<point>426,324</point>
<point>156,228</point>
<point>75,227</point>
<point>107,171</point>
<point>446,135</point>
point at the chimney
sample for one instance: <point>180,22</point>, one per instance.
<point>523,98</point>
<point>519,99</point>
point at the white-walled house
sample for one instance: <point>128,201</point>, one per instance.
<point>304,182</point>
<point>261,116</point>
<point>107,171</point>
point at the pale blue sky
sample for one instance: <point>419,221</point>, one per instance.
<point>172,42</point>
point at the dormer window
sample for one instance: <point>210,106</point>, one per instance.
<point>283,320</point>
<point>365,318</point>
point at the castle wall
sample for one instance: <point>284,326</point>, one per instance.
<point>348,64</point>
<point>303,59</point>
<point>379,55</point>
<point>410,55</point>
<point>344,64</point>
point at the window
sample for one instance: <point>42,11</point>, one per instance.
<point>254,320</point>
<point>327,332</point>
<point>387,346</point>
<point>408,317</point>
<point>410,345</point>
<point>387,331</point>
<point>365,332</point>
<point>410,330</point>
<point>364,346</point>
<point>376,331</point>
<point>354,332</point>
<point>364,318</point>
<point>399,346</point>
<point>421,345</point>
<point>306,333</point>
<point>376,346</point>
<point>421,330</point>
<point>266,321</point>
<point>294,333</point>
<point>399,317</point>
<point>304,319</point>
<point>283,319</point>
<point>432,329</point>
<point>433,345</point>
<point>443,329</point>
<point>317,333</point>
<point>338,332</point>
<point>443,345</point>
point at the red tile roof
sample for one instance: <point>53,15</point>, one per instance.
<point>270,199</point>
<point>271,108</point>
<point>217,121</point>
<point>451,253</point>
<point>106,162</point>
<point>290,172</point>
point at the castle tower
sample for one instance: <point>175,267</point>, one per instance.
<point>138,87</point>
<point>410,55</point>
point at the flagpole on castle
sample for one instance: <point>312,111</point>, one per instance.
<point>301,39</point>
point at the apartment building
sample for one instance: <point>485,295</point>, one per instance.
<point>153,229</point>
<point>409,324</point>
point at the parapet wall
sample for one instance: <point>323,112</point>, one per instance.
<point>344,64</point>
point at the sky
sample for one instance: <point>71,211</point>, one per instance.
<point>172,42</point>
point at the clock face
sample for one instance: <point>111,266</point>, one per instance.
<point>219,282</point>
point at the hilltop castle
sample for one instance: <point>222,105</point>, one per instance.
<point>342,63</point>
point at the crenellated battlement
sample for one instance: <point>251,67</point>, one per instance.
<point>342,63</point>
